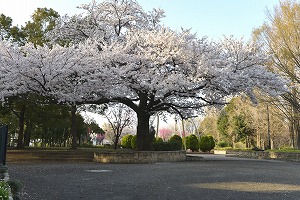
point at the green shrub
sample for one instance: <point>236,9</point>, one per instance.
<point>4,190</point>
<point>286,148</point>
<point>212,142</point>
<point>159,140</point>
<point>177,140</point>
<point>126,141</point>
<point>206,143</point>
<point>133,142</point>
<point>223,144</point>
<point>192,143</point>
<point>174,146</point>
<point>239,145</point>
<point>16,188</point>
<point>160,145</point>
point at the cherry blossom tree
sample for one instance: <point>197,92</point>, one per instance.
<point>57,73</point>
<point>116,52</point>
<point>105,22</point>
<point>10,83</point>
<point>176,72</point>
<point>165,133</point>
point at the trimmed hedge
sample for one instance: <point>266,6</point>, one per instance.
<point>174,144</point>
<point>165,146</point>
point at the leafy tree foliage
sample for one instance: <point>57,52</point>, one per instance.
<point>249,123</point>
<point>94,127</point>
<point>223,124</point>
<point>9,32</point>
<point>232,125</point>
<point>43,21</point>
<point>241,128</point>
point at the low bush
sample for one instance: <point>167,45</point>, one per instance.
<point>16,188</point>
<point>126,141</point>
<point>206,143</point>
<point>283,150</point>
<point>286,148</point>
<point>239,145</point>
<point>4,190</point>
<point>158,140</point>
<point>178,140</point>
<point>224,148</point>
<point>192,142</point>
<point>223,144</point>
<point>160,145</point>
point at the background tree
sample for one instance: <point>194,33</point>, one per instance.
<point>242,130</point>
<point>223,126</point>
<point>119,117</point>
<point>241,116</point>
<point>209,124</point>
<point>280,37</point>
<point>9,32</point>
<point>43,21</point>
<point>41,24</point>
<point>165,134</point>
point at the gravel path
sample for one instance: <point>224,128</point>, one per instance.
<point>215,178</point>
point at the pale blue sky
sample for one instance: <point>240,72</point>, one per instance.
<point>213,18</point>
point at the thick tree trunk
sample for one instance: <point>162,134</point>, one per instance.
<point>27,138</point>
<point>73,126</point>
<point>269,127</point>
<point>143,137</point>
<point>297,133</point>
<point>20,143</point>
<point>116,141</point>
<point>292,140</point>
<point>258,140</point>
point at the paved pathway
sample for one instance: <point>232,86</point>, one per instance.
<point>217,177</point>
